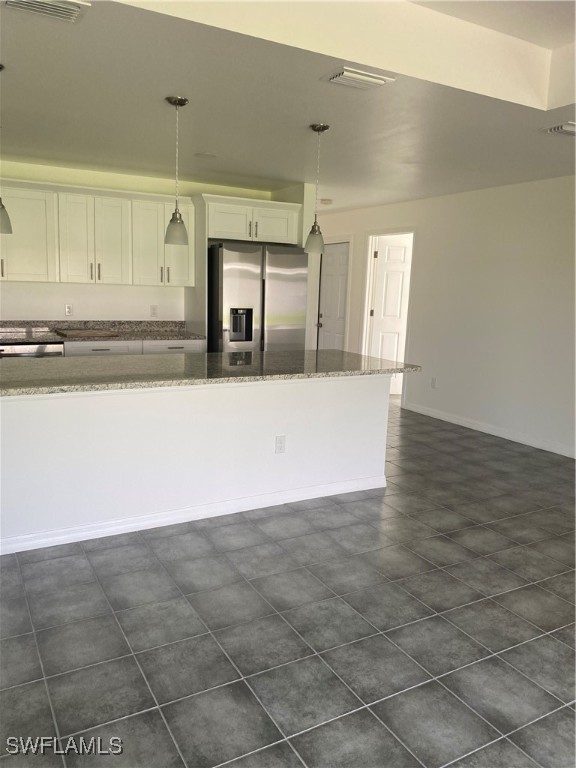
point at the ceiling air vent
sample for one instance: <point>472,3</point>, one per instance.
<point>355,78</point>
<point>565,129</point>
<point>65,10</point>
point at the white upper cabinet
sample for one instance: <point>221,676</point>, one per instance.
<point>76,218</point>
<point>275,225</point>
<point>31,251</point>
<point>148,242</point>
<point>155,263</point>
<point>230,222</point>
<point>95,239</point>
<point>235,219</point>
<point>112,240</point>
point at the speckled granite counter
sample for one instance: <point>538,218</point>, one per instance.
<point>44,331</point>
<point>33,376</point>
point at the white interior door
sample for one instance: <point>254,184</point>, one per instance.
<point>392,260</point>
<point>333,291</point>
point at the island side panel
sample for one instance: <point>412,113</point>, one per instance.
<point>88,464</point>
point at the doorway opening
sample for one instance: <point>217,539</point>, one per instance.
<point>390,262</point>
<point>333,299</point>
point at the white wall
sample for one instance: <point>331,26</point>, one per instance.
<point>88,464</point>
<point>46,301</point>
<point>491,308</point>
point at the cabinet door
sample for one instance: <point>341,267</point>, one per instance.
<point>179,259</point>
<point>148,228</point>
<point>275,225</point>
<point>230,222</point>
<point>31,251</point>
<point>76,234</point>
<point>112,240</point>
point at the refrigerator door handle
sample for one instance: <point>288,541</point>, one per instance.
<point>263,308</point>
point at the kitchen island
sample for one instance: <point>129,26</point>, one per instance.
<point>93,447</point>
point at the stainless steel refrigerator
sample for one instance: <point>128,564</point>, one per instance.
<point>256,297</point>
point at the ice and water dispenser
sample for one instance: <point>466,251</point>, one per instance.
<point>241,324</point>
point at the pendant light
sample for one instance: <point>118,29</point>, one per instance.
<point>5,225</point>
<point>176,233</point>
<point>315,241</point>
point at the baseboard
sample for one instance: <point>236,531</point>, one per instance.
<point>491,429</point>
<point>144,522</point>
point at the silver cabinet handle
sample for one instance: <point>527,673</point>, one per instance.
<point>249,229</point>
<point>256,230</point>
<point>1,267</point>
<point>91,271</point>
<point>175,347</point>
<point>99,272</point>
<point>161,274</point>
<point>100,349</point>
<point>168,274</point>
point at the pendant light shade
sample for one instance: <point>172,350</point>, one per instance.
<point>176,233</point>
<point>5,224</point>
<point>315,241</point>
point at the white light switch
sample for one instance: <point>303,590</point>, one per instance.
<point>280,444</point>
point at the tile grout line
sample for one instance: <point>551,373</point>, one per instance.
<point>308,566</point>
<point>230,660</point>
<point>46,689</point>
<point>315,653</point>
<point>275,611</point>
<point>506,737</point>
<point>485,746</point>
<point>243,678</point>
<point>152,694</point>
<point>379,632</point>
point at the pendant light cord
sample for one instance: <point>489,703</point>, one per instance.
<point>177,142</point>
<point>317,179</point>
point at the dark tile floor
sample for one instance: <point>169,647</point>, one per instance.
<point>430,624</point>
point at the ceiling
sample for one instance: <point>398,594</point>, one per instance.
<point>91,95</point>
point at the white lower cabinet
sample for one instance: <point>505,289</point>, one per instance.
<point>146,347</point>
<point>104,347</point>
<point>152,346</point>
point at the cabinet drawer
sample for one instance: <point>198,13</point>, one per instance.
<point>104,347</point>
<point>175,346</point>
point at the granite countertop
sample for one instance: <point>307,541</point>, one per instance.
<point>44,332</point>
<point>36,376</point>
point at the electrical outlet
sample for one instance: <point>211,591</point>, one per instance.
<point>434,382</point>
<point>280,444</point>
<point>69,310</point>
<point>153,310</point>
